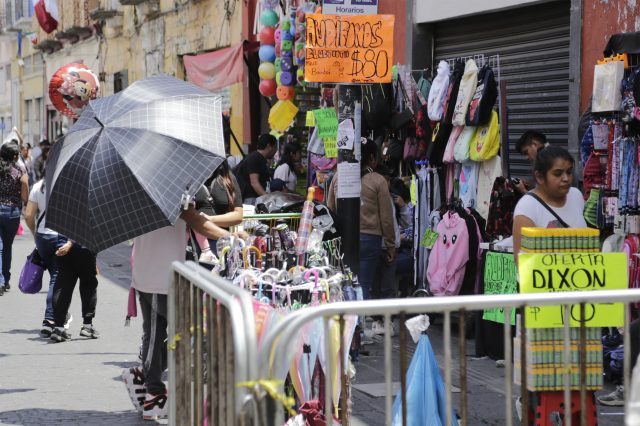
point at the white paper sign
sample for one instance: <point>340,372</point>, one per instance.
<point>348,180</point>
<point>346,135</point>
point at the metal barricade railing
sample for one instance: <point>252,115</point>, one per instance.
<point>277,342</point>
<point>212,346</point>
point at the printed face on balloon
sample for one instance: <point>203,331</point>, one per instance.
<point>71,88</point>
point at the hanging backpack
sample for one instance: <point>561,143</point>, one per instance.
<point>486,143</point>
<point>479,112</point>
<point>424,85</point>
<point>449,256</point>
<point>465,93</point>
<point>376,105</point>
<point>452,92</point>
<point>461,148</point>
<point>438,91</point>
<point>439,139</point>
<point>448,157</point>
<point>502,204</point>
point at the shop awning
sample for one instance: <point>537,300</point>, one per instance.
<point>216,70</point>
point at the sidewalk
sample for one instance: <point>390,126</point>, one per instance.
<point>76,382</point>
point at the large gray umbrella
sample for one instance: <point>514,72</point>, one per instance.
<point>125,165</point>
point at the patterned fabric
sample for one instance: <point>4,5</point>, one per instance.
<point>10,188</point>
<point>125,165</point>
<point>504,198</point>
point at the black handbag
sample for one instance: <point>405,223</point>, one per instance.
<point>406,117</point>
<point>438,144</point>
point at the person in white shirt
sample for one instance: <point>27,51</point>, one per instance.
<point>47,243</point>
<point>287,169</point>
<point>554,203</point>
<point>154,253</point>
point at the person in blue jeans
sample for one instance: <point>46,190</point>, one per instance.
<point>376,217</point>
<point>47,244</point>
<point>14,191</point>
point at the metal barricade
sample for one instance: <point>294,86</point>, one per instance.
<point>212,346</point>
<point>278,340</point>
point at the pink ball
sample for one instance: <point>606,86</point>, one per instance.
<point>267,35</point>
<point>268,88</point>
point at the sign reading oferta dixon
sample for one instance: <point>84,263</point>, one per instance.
<point>541,273</point>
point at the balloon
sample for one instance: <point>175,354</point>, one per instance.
<point>267,88</point>
<point>286,64</point>
<point>267,35</point>
<point>286,53</point>
<point>286,35</point>
<point>286,45</point>
<point>278,78</point>
<point>71,88</point>
<point>285,93</point>
<point>269,18</point>
<point>286,78</point>
<point>277,36</point>
<point>286,26</point>
<point>267,71</point>
<point>267,53</point>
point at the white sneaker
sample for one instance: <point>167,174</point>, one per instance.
<point>155,407</point>
<point>613,399</point>
<point>67,323</point>
<point>134,381</point>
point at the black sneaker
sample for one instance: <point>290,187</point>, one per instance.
<point>6,287</point>
<point>60,335</point>
<point>46,329</point>
<point>88,330</point>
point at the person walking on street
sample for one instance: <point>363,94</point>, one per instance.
<point>154,253</point>
<point>47,245</point>
<point>14,191</point>
<point>40,162</point>
<point>253,172</point>
<point>75,263</point>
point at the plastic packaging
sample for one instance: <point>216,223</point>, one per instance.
<point>306,223</point>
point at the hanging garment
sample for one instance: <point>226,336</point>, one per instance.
<point>486,143</point>
<point>438,92</point>
<point>421,224</point>
<point>504,198</point>
<point>467,89</point>
<point>452,92</point>
<point>489,171</point>
<point>451,143</point>
<point>469,183</point>
<point>479,112</point>
<point>461,148</point>
<point>449,256</point>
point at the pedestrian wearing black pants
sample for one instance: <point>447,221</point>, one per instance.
<point>154,336</point>
<point>75,263</point>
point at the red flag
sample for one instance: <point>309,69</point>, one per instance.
<point>47,14</point>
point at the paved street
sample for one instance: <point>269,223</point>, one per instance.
<point>78,382</point>
<point>71,383</point>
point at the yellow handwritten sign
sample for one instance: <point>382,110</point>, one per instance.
<point>349,48</point>
<point>330,148</point>
<point>310,121</point>
<point>541,273</point>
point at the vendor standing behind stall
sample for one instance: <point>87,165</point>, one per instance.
<point>554,203</point>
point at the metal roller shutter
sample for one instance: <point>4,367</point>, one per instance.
<point>533,44</point>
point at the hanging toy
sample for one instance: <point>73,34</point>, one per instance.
<point>287,74</point>
<point>268,52</point>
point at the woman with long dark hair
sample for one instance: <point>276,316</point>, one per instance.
<point>220,200</point>
<point>14,191</point>
<point>287,166</point>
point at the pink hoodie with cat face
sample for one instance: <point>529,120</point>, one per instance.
<point>449,256</point>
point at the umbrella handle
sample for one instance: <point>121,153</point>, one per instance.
<point>246,257</point>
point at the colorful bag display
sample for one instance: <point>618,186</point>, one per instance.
<point>461,148</point>
<point>486,143</point>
